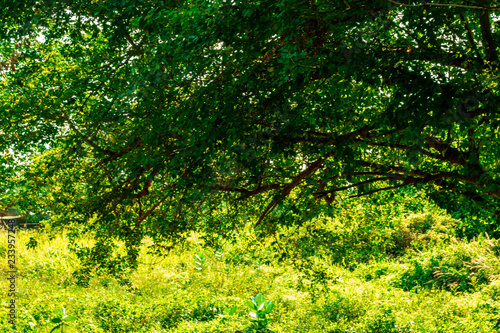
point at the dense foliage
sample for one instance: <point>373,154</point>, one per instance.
<point>136,117</point>
<point>382,266</point>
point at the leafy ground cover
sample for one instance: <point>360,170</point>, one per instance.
<point>391,266</point>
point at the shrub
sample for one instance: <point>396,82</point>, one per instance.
<point>113,316</point>
<point>204,311</point>
<point>170,316</point>
<point>456,267</point>
<point>343,309</point>
<point>383,323</point>
<point>422,231</point>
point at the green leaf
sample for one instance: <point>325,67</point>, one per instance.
<point>60,312</point>
<point>55,328</point>
<point>252,305</point>
<point>261,306</point>
<point>260,299</point>
<point>233,309</point>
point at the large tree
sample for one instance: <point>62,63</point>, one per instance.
<point>138,117</point>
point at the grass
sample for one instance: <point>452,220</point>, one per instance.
<point>371,272</point>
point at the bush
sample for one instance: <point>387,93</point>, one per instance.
<point>422,231</point>
<point>383,323</point>
<point>370,237</point>
<point>343,309</point>
<point>475,217</point>
<point>170,316</point>
<point>113,316</point>
<point>457,267</point>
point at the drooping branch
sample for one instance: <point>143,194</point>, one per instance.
<point>87,139</point>
<point>247,193</point>
<point>474,176</point>
<point>296,181</point>
<point>338,189</point>
<point>447,153</point>
<point>329,139</point>
<point>147,185</point>
<point>380,190</point>
<point>142,217</point>
<point>388,176</point>
<point>137,142</point>
<point>408,179</point>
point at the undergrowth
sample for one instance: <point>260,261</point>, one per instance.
<point>375,266</point>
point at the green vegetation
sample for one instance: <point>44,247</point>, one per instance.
<point>130,119</point>
<point>379,265</point>
<point>253,165</point>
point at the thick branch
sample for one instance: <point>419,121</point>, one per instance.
<point>115,155</point>
<point>87,140</point>
<point>449,153</point>
<point>489,44</point>
<point>296,181</point>
<point>247,193</point>
<point>475,176</point>
<point>379,190</point>
<point>470,36</point>
<point>147,185</point>
<point>338,189</point>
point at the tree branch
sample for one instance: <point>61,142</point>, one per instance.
<point>489,44</point>
<point>247,193</point>
<point>136,48</point>
<point>115,155</point>
<point>444,5</point>
<point>379,190</point>
<point>86,139</point>
<point>296,181</point>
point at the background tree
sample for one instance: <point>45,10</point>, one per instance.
<point>138,117</point>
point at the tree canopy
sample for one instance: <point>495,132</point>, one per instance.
<point>139,117</point>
